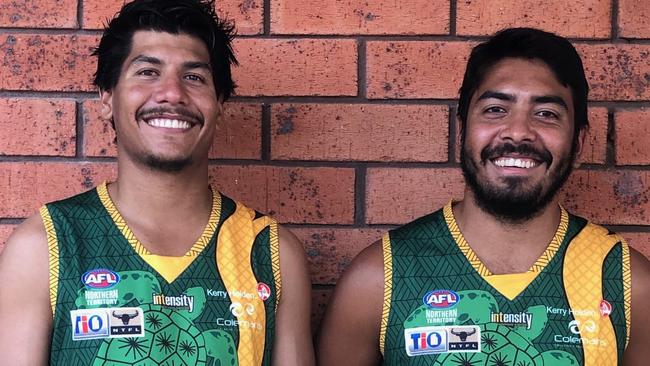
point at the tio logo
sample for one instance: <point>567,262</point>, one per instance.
<point>425,340</point>
<point>89,324</point>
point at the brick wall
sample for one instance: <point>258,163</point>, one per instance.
<point>343,122</point>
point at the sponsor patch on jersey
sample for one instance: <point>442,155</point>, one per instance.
<point>100,279</point>
<point>263,290</point>
<point>441,299</point>
<point>106,323</point>
<point>605,308</point>
<point>441,317</point>
<point>182,302</point>
<point>101,298</point>
<point>512,319</point>
<point>435,340</point>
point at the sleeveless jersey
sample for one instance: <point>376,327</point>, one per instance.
<point>115,303</point>
<point>442,306</point>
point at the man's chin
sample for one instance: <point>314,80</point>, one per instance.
<point>166,165</point>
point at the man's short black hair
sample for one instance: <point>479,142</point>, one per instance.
<point>532,44</point>
<point>192,17</point>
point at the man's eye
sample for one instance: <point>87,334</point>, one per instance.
<point>147,72</point>
<point>194,77</point>
<point>495,110</point>
<point>547,114</point>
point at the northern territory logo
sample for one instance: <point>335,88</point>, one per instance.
<point>100,279</point>
<point>106,323</point>
<point>441,299</point>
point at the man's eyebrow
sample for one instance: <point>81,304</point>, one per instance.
<point>197,65</point>
<point>146,59</point>
<point>554,99</point>
<point>496,95</point>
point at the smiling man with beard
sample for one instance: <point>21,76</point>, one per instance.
<point>125,273</point>
<point>506,276</point>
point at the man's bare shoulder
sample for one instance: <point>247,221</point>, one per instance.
<point>24,274</point>
<point>28,236</point>
<point>349,335</point>
<point>637,351</point>
<point>293,344</point>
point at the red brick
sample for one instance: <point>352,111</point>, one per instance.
<point>609,197</point>
<point>330,251</point>
<point>333,131</point>
<point>99,135</point>
<point>291,194</point>
<point>639,241</point>
<point>298,67</point>
<point>27,186</point>
<point>595,148</point>
<point>570,19</point>
<point>632,131</point>
<point>37,127</point>
<point>633,18</point>
<point>415,69</point>
<point>47,62</point>
<point>360,17</point>
<point>617,72</point>
<point>396,196</point>
<point>247,14</point>
<point>238,137</point>
<point>38,14</point>
<point>5,231</point>
<point>319,300</point>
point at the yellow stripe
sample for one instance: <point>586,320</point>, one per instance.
<point>507,288</point>
<point>583,284</point>
<point>627,287</point>
<point>168,267</point>
<point>388,290</point>
<point>275,260</point>
<point>53,249</point>
<point>233,256</point>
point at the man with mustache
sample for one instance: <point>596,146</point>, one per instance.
<point>505,276</point>
<point>202,278</point>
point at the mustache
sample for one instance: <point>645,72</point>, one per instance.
<point>525,149</point>
<point>180,111</point>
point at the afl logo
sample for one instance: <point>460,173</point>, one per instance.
<point>440,299</point>
<point>100,278</point>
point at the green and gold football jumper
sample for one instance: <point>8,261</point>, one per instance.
<point>115,303</point>
<point>442,306</point>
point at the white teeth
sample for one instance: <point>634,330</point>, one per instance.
<point>168,123</point>
<point>517,163</point>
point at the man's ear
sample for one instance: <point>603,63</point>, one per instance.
<point>459,129</point>
<point>580,141</point>
<point>106,98</point>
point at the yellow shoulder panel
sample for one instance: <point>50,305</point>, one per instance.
<point>583,284</point>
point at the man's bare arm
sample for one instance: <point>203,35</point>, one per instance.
<point>349,333</point>
<point>293,340</point>
<point>25,312</point>
<point>637,352</point>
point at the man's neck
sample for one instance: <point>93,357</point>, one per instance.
<point>158,204</point>
<point>492,238</point>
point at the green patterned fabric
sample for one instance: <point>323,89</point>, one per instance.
<point>443,312</point>
<point>190,321</point>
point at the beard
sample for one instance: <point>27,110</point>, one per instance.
<point>165,165</point>
<point>516,202</point>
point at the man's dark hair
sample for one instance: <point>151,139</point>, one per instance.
<point>533,44</point>
<point>192,17</point>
